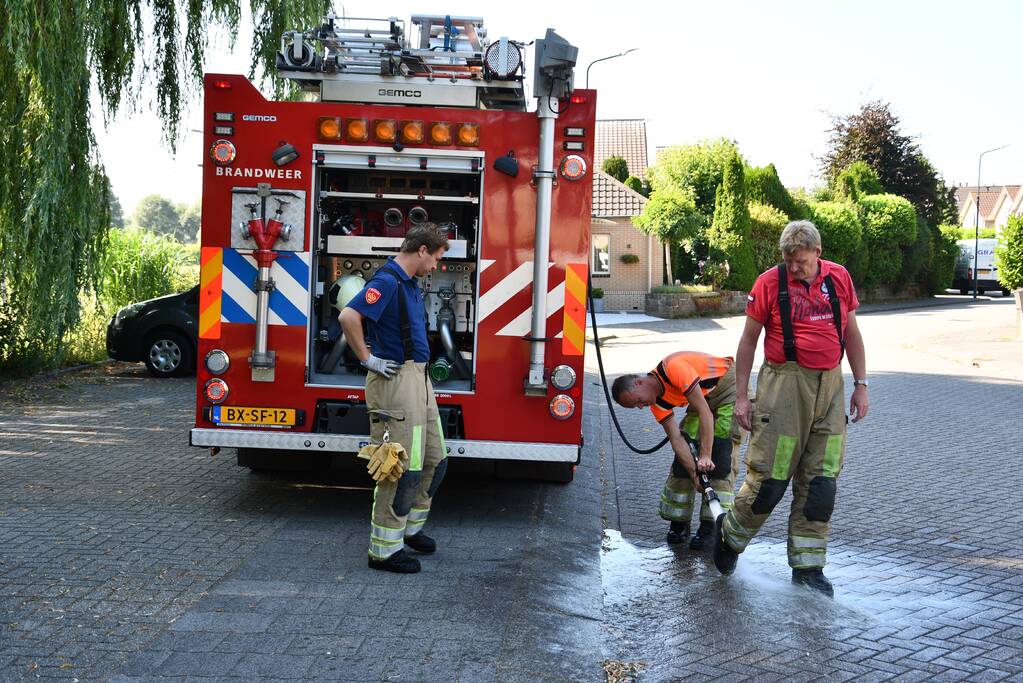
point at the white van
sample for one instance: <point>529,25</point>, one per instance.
<point>987,271</point>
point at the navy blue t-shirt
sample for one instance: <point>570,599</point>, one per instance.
<point>377,302</point>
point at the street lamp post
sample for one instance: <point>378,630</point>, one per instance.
<point>620,54</point>
<point>976,219</point>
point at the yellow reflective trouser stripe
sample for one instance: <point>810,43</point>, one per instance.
<point>723,423</point>
<point>806,552</point>
<point>440,433</point>
<point>415,458</point>
<point>783,452</point>
<point>832,455</point>
<point>416,520</point>
<point>737,535</point>
<point>673,512</point>
<point>385,541</point>
<point>676,497</point>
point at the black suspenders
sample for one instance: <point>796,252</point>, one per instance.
<point>406,326</point>
<point>785,308</point>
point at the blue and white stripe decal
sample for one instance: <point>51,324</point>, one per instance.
<point>288,302</point>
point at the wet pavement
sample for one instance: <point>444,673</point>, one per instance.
<point>925,550</point>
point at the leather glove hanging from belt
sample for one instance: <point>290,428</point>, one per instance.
<point>387,461</point>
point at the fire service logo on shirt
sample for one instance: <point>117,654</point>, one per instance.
<point>372,296</point>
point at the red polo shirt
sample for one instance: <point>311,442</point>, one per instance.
<point>817,346</point>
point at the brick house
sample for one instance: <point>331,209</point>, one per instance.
<point>625,285</point>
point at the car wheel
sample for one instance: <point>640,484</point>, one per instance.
<point>168,354</point>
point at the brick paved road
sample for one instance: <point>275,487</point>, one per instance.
<point>126,555</point>
<point>925,553</point>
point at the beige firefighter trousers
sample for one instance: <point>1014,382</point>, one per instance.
<point>678,496</point>
<point>405,406</point>
<point>799,427</point>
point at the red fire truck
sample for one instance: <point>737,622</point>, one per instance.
<point>304,200</point>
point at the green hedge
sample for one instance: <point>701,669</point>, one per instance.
<point>943,263</point>
<point>840,228</point>
<point>766,223</point>
<point>1009,254</point>
<point>890,231</point>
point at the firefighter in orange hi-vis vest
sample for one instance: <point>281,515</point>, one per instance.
<point>705,386</point>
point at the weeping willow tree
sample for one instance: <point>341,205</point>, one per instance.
<point>54,192</point>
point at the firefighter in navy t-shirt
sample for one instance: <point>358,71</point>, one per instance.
<point>399,395</point>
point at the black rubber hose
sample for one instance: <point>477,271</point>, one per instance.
<point>603,379</point>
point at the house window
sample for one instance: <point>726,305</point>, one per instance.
<point>601,255</point>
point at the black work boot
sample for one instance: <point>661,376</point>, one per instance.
<point>813,578</point>
<point>678,533</point>
<point>704,536</point>
<point>724,557</point>
<point>399,563</point>
<point>421,543</point>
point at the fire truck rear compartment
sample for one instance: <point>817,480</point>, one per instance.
<point>349,417</point>
<point>366,204</point>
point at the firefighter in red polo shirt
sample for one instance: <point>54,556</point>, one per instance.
<point>798,423</point>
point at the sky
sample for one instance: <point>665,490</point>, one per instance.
<point>769,75</point>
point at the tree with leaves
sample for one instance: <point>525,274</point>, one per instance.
<point>54,193</point>
<point>616,167</point>
<point>873,136</point>
<point>671,215</point>
<point>764,186</point>
<point>158,215</point>
<point>729,236</point>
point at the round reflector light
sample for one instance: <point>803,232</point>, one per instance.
<point>223,152</point>
<point>563,378</point>
<point>216,391</point>
<point>217,362</point>
<point>573,167</point>
<point>562,407</point>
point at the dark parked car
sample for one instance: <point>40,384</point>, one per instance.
<point>161,332</point>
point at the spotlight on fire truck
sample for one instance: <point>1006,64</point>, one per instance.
<point>284,154</point>
<point>507,164</point>
<point>503,59</point>
<point>217,361</point>
<point>552,66</point>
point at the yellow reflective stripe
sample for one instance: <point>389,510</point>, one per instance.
<point>415,463</point>
<point>807,560</point>
<point>832,455</point>
<point>807,542</point>
<point>676,497</point>
<point>380,551</point>
<point>783,452</point>
<point>737,536</point>
<point>386,533</point>
<point>723,423</point>
<point>418,514</point>
<point>440,432</point>
<point>675,514</point>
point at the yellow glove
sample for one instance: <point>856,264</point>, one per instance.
<point>386,461</point>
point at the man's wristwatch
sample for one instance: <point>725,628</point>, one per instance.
<point>860,383</point>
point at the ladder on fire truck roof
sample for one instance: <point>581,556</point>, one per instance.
<point>444,61</point>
